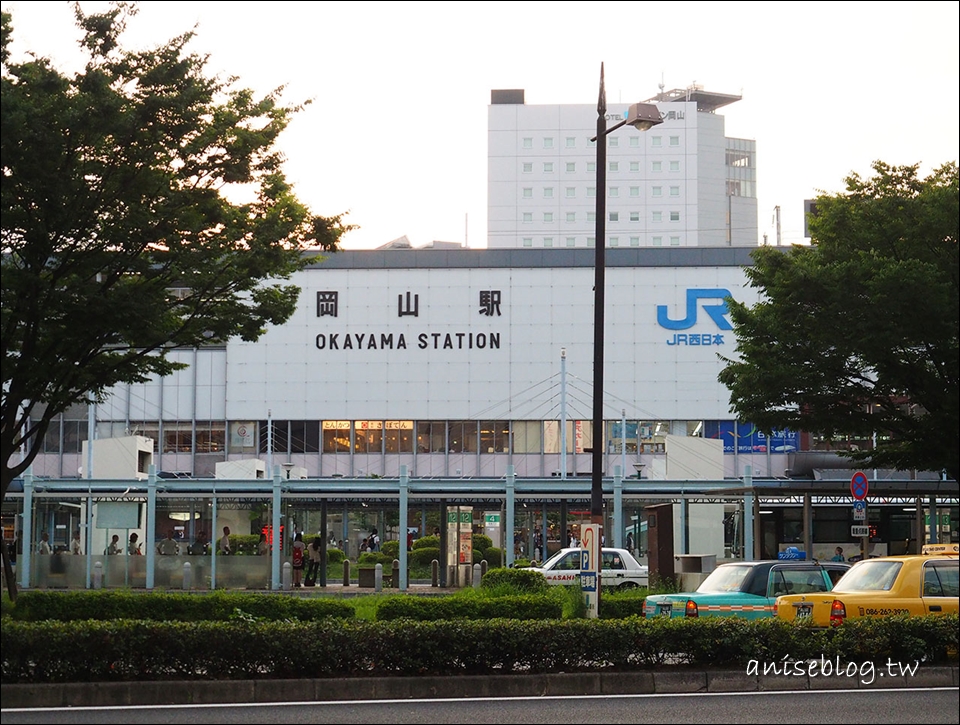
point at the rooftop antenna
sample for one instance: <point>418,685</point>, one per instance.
<point>661,85</point>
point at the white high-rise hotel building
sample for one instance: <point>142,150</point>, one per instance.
<point>683,183</point>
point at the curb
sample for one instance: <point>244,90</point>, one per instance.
<point>178,692</point>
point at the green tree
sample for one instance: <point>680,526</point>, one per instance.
<point>144,208</point>
<point>858,333</point>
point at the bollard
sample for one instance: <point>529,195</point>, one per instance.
<point>395,575</point>
<point>287,576</point>
<point>483,568</point>
<point>378,578</point>
<point>476,576</point>
<point>434,573</point>
<point>346,572</point>
<point>187,576</point>
<point>98,575</point>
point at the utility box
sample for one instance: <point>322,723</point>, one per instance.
<point>697,563</point>
<point>249,468</point>
<point>119,458</point>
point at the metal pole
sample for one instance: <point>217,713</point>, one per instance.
<point>563,414</point>
<point>596,474</point>
<point>404,511</point>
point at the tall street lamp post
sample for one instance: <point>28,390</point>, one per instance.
<point>641,116</point>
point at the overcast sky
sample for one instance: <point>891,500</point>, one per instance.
<point>397,132</point>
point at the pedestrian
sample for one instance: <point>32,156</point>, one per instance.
<point>75,547</point>
<point>838,554</point>
<point>225,541</point>
<point>313,567</point>
<point>630,542</point>
<point>374,540</point>
<point>263,547</point>
<point>44,547</point>
<point>114,547</point>
<point>298,552</point>
<point>133,548</point>
<point>168,546</point>
<point>199,546</point>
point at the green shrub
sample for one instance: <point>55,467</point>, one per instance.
<point>622,604</point>
<point>493,556</point>
<point>429,609</point>
<point>390,548</point>
<point>424,555</point>
<point>427,542</point>
<point>481,542</point>
<point>524,581</point>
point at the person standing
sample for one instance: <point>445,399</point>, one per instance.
<point>263,547</point>
<point>298,552</point>
<point>225,541</point>
<point>838,554</point>
<point>133,548</point>
<point>313,567</point>
<point>75,546</point>
<point>44,547</point>
<point>114,547</point>
<point>168,546</point>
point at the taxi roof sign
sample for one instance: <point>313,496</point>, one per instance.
<point>929,549</point>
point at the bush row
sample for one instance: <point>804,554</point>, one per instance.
<point>65,606</point>
<point>95,651</point>
<point>428,609</point>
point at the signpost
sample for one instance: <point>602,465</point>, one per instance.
<point>859,486</point>
<point>590,568</point>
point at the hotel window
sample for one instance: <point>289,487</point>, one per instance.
<point>614,191</point>
<point>528,192</point>
<point>571,216</point>
<point>528,241</point>
<point>548,192</point>
<point>614,166</point>
<point>657,216</point>
<point>527,436</point>
<point>336,436</point>
<point>571,167</point>
<point>431,436</point>
<point>674,166</point>
<point>368,436</point>
<point>591,216</point>
<point>548,241</point>
<point>614,141</point>
<point>548,167</point>
<point>674,140</point>
<point>634,216</point>
<point>614,241</point>
<point>658,241</point>
<point>398,436</point>
<point>674,191</point>
<point>178,437</point>
<point>571,142</point>
<point>591,142</point>
<point>635,141</point>
<point>548,216</point>
<point>657,191</point>
<point>635,166</point>
<point>614,216</point>
<point>494,436</point>
<point>656,141</point>
<point>528,167</point>
<point>657,166</point>
<point>528,143</point>
<point>548,142</point>
<point>304,436</point>
<point>571,192</point>
<point>571,241</point>
<point>591,167</point>
<point>463,436</point>
<point>674,216</point>
<point>591,192</point>
<point>634,191</point>
<point>528,217</point>
<point>675,241</point>
<point>634,241</point>
<point>591,241</point>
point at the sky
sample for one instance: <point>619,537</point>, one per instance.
<point>396,133</point>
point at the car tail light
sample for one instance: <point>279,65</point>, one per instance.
<point>776,607</point>
<point>838,613</point>
<point>643,608</point>
<point>691,609</point>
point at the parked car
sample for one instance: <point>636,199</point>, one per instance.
<point>926,583</point>
<point>746,589</point>
<point>619,568</point>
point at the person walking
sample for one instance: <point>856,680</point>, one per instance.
<point>298,554</point>
<point>225,541</point>
<point>313,567</point>
<point>75,545</point>
<point>44,547</point>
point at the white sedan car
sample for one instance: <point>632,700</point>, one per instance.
<point>619,569</point>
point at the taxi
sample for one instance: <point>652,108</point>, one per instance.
<point>913,585</point>
<point>618,569</point>
<point>746,589</point>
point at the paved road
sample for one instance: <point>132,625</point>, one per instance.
<point>926,705</point>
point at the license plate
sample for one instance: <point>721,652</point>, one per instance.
<point>804,611</point>
<point>666,610</point>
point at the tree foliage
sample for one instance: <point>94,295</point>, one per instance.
<point>144,209</point>
<point>858,333</point>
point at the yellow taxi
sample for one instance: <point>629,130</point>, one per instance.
<point>925,583</point>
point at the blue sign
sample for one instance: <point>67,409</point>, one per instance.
<point>792,552</point>
<point>747,438</point>
<point>588,581</point>
<point>859,485</point>
<point>715,312</point>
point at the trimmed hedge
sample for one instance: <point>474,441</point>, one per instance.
<point>38,606</point>
<point>524,580</point>
<point>428,609</point>
<point>92,651</point>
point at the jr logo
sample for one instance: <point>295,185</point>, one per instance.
<point>716,312</point>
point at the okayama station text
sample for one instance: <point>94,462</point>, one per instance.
<point>424,341</point>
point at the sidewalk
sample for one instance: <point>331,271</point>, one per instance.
<point>662,681</point>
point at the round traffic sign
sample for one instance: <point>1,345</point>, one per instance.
<point>859,485</point>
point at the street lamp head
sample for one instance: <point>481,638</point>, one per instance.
<point>643,116</point>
